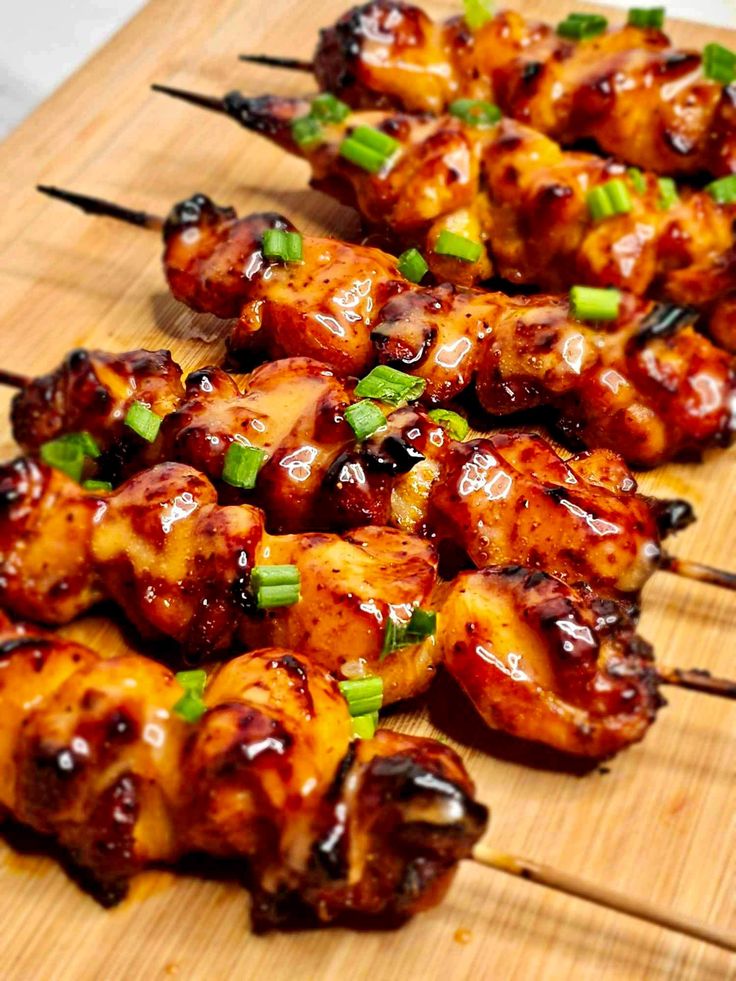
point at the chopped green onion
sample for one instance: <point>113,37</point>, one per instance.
<point>369,148</point>
<point>637,179</point>
<point>380,142</point>
<point>478,12</point>
<point>581,26</point>
<point>455,424</point>
<point>412,265</point>
<point>592,303</point>
<point>365,418</point>
<point>329,108</point>
<point>457,246</point>
<point>364,726</point>
<point>719,63</point>
<point>97,485</point>
<point>241,465</point>
<point>280,244</point>
<point>423,624</point>
<point>363,695</point>
<point>606,200</point>
<point>667,193</point>
<point>723,191</point>
<point>63,455</point>
<point>646,17</point>
<point>475,112</point>
<point>389,385</point>
<point>143,421</point>
<point>275,585</point>
<point>361,155</point>
<point>85,441</point>
<point>191,706</point>
<point>306,132</point>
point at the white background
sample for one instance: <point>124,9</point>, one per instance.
<point>43,41</point>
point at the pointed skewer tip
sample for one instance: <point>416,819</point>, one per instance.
<point>293,64</point>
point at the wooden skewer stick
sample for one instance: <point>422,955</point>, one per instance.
<point>11,380</point>
<point>204,101</point>
<point>274,61</point>
<point>697,571</point>
<point>544,875</point>
<point>697,680</point>
<point>98,206</point>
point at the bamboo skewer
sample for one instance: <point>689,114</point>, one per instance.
<point>697,571</point>
<point>274,61</point>
<point>572,885</point>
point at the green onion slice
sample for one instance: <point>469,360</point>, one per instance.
<point>280,244</point>
<point>306,132</point>
<point>719,63</point>
<point>389,385</point>
<point>578,27</point>
<point>143,421</point>
<point>412,265</point>
<point>723,191</point>
<point>667,193</point>
<point>365,418</point>
<point>364,726</point>
<point>606,200</point>
<point>455,424</point>
<point>191,706</point>
<point>475,112</point>
<point>275,585</point>
<point>478,13</point>
<point>448,243</point>
<point>646,17</point>
<point>369,148</point>
<point>97,485</point>
<point>423,624</point>
<point>363,695</point>
<point>241,465</point>
<point>63,455</point>
<point>329,109</point>
<point>593,303</point>
<point>637,179</point>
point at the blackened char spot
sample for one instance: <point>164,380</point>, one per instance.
<point>297,671</point>
<point>672,515</point>
<point>392,454</point>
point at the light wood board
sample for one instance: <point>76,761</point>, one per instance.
<point>661,823</point>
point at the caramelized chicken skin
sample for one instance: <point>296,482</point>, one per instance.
<point>550,663</point>
<point>179,566</point>
<point>93,754</point>
<point>522,197</point>
<point>629,89</point>
<point>507,498</point>
<point>671,389</point>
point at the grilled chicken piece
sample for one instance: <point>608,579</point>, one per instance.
<point>647,384</point>
<point>670,389</point>
<point>94,755</point>
<point>549,663</point>
<point>518,193</point>
<point>179,566</point>
<point>628,89</point>
<point>498,500</point>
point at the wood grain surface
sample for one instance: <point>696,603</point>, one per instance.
<point>658,822</point>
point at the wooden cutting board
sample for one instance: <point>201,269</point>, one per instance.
<point>658,822</point>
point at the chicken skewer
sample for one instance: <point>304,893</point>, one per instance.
<point>522,208</point>
<point>538,658</point>
<point>645,383</point>
<point>626,88</point>
<point>345,827</point>
<point>504,499</point>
